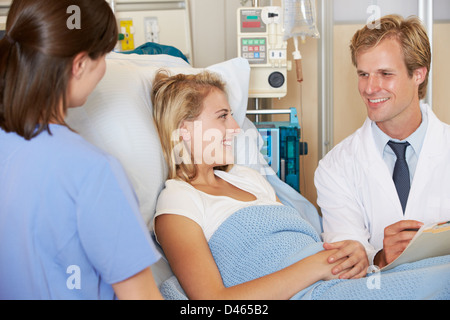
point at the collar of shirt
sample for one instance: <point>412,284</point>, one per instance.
<point>412,154</point>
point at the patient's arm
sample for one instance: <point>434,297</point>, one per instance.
<point>141,286</point>
<point>191,260</point>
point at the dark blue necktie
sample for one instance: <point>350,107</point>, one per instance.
<point>401,172</point>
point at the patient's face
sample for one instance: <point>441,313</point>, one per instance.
<point>212,133</point>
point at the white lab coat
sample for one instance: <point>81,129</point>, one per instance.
<point>357,194</point>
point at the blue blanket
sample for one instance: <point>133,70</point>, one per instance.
<point>259,240</point>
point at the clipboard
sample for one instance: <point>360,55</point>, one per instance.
<point>432,240</point>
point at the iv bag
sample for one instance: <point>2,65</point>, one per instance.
<point>300,19</point>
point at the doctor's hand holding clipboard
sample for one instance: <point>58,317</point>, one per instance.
<point>396,238</point>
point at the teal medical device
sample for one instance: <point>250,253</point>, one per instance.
<point>282,146</point>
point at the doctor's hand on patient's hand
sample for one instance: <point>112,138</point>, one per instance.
<point>396,238</point>
<point>356,263</point>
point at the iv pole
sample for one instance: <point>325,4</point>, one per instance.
<point>255,5</point>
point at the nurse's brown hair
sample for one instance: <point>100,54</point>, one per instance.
<point>36,56</point>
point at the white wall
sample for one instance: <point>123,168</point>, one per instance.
<point>214,29</point>
<point>358,13</point>
<point>213,25</point>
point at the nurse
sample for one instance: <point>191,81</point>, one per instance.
<point>391,176</point>
<point>70,226</point>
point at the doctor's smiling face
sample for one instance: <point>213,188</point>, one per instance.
<point>389,92</point>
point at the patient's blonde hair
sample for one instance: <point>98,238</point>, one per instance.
<point>176,99</point>
<point>411,35</point>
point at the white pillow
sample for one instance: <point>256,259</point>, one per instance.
<point>117,116</point>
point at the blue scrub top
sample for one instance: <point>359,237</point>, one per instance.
<point>70,224</point>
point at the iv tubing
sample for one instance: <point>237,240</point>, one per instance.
<point>298,61</point>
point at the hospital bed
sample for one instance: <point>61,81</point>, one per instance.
<point>117,118</point>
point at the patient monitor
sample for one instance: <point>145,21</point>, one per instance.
<point>260,41</point>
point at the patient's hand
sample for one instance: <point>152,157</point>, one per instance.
<point>354,259</point>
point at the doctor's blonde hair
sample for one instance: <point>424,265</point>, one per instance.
<point>176,99</point>
<point>411,35</point>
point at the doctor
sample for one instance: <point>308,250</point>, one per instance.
<point>371,189</point>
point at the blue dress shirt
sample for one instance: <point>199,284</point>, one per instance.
<point>412,153</point>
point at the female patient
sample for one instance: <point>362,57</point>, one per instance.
<point>196,129</point>
<point>70,227</point>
